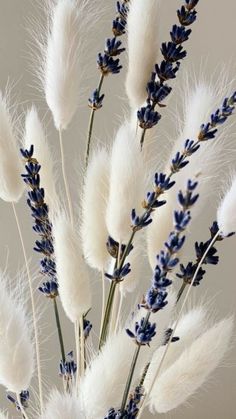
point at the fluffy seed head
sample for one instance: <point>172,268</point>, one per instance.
<point>127,183</point>
<point>11,184</point>
<point>62,406</point>
<point>73,280</point>
<point>16,347</point>
<point>182,379</point>
<point>143,47</point>
<point>62,68</point>
<point>35,134</point>
<point>226,213</point>
<point>94,231</point>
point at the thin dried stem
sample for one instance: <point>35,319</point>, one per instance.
<point>35,326</point>
<point>67,189</point>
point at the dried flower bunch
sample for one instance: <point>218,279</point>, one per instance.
<point>133,222</point>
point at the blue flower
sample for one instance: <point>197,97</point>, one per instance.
<point>171,52</point>
<point>24,399</point>
<point>166,70</point>
<point>68,368</point>
<point>179,34</point>
<point>181,220</point>
<point>162,182</point>
<point>87,328</point>
<point>147,117</point>
<point>157,92</point>
<point>140,222</point>
<point>186,17</point>
<point>108,65</point>
<point>118,26</point>
<point>119,273</point>
<point>155,300</point>
<point>113,248</point>
<point>95,101</point>
<point>190,4</point>
<point>49,289</point>
<point>144,332</point>
<point>187,200</point>
<point>190,147</point>
<point>187,272</point>
<point>175,242</point>
<point>112,47</point>
<point>178,162</point>
<point>211,257</point>
<point>206,132</point>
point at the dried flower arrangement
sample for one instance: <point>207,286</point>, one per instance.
<point>158,355</point>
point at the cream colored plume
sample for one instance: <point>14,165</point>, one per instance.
<point>35,135</point>
<point>62,406</point>
<point>143,47</point>
<point>226,213</point>
<point>186,375</point>
<point>11,167</point>
<point>16,346</point>
<point>127,183</point>
<point>62,72</point>
<point>94,233</point>
<point>72,274</point>
<point>200,100</point>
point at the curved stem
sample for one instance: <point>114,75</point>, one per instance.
<point>181,291</point>
<point>82,346</point>
<point>91,123</point>
<point>119,312</point>
<point>177,322</point>
<point>67,189</point>
<point>77,355</point>
<point>35,326</point>
<point>142,138</point>
<point>24,414</point>
<point>59,331</point>
<point>103,299</point>
<point>107,314</point>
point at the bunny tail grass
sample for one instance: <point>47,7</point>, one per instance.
<point>143,47</point>
<point>11,187</point>
<point>127,183</point>
<point>62,68</point>
<point>35,134</point>
<point>226,213</point>
<point>16,346</point>
<point>182,379</point>
<point>62,406</point>
<point>32,299</point>
<point>94,200</point>
<point>65,180</point>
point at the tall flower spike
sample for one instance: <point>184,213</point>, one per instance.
<point>173,52</point>
<point>62,69</point>
<point>203,165</point>
<point>226,213</point>
<point>35,134</point>
<point>185,376</point>
<point>127,182</point>
<point>143,43</point>
<point>11,187</point>
<point>16,346</point>
<point>72,272</point>
<point>94,234</point>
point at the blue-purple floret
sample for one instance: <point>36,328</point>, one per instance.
<point>108,64</point>
<point>131,409</point>
<point>24,399</point>
<point>68,368</point>
<point>96,100</point>
<point>119,274</point>
<point>143,333</point>
<point>147,117</point>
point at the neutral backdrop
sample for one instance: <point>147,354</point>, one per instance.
<point>212,44</point>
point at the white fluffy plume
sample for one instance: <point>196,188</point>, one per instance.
<point>226,213</point>
<point>3,415</point>
<point>111,366</point>
<point>35,134</point>
<point>201,99</point>
<point>191,325</point>
<point>143,47</point>
<point>16,347</point>
<point>94,231</point>
<point>62,406</point>
<point>72,272</point>
<point>62,69</point>
<point>127,183</point>
<point>11,184</point>
<point>182,379</point>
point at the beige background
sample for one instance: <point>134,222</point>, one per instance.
<point>212,43</point>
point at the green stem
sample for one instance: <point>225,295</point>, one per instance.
<point>59,331</point>
<point>131,371</point>
<point>107,314</point>
<point>142,138</point>
<point>91,123</point>
<point>180,293</point>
